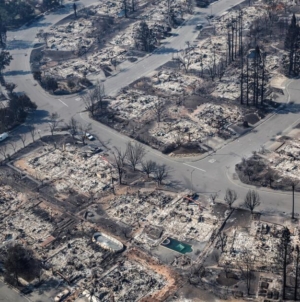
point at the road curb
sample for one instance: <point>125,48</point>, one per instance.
<point>240,184</point>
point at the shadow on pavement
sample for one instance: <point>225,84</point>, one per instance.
<point>16,72</point>
<point>165,50</point>
<point>18,44</point>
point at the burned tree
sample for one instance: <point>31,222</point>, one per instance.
<point>170,13</point>
<point>133,5</point>
<point>161,173</point>
<point>252,200</point>
<point>270,177</point>
<point>23,138</point>
<point>75,9</point>
<point>32,132</point>
<point>55,120</point>
<point>144,37</point>
<point>230,197</point>
<point>246,268</point>
<point>222,238</point>
<point>184,57</point>
<point>119,162</point>
<point>3,151</point>
<point>134,154</point>
<point>125,7</point>
<point>93,100</point>
<point>291,44</point>
<point>213,197</point>
<point>293,185</point>
<point>99,94</point>
<point>72,127</point>
<point>14,145</point>
<point>254,77</point>
<point>91,103</point>
<point>190,5</point>
<point>148,167</point>
<point>158,109</point>
<point>83,131</point>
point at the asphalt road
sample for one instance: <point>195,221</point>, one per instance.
<point>7,294</point>
<point>212,174</point>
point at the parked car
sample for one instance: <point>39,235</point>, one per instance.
<point>89,136</point>
<point>3,136</point>
<point>199,26</point>
<point>26,290</point>
<point>62,295</point>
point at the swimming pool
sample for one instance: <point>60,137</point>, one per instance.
<point>177,246</point>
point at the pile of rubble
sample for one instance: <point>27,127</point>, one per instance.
<point>175,82</point>
<point>261,240</point>
<point>153,214</point>
<point>141,207</point>
<point>207,120</point>
<point>71,36</point>
<point>69,168</point>
<point>25,224</point>
<point>11,200</point>
<point>134,105</point>
<point>76,259</point>
<point>286,159</point>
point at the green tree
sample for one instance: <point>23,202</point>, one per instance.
<point>50,83</point>
<point>284,257</point>
<point>144,37</point>
<point>2,33</point>
<point>37,75</point>
<point>25,11</point>
<point>5,59</point>
<point>47,4</point>
<point>20,262</point>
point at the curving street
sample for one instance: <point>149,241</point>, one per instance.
<point>213,173</point>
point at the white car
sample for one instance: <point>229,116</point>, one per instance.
<point>89,136</point>
<point>62,295</point>
<point>3,136</point>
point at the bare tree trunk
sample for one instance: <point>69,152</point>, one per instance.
<point>293,211</point>
<point>262,80</point>
<point>297,273</point>
<point>242,78</point>
<point>247,83</point>
<point>229,47</point>
<point>257,82</point>
<point>236,36</point>
<point>232,41</point>
<point>241,32</point>
<point>284,272</point>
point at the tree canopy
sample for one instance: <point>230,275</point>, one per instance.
<point>5,59</point>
